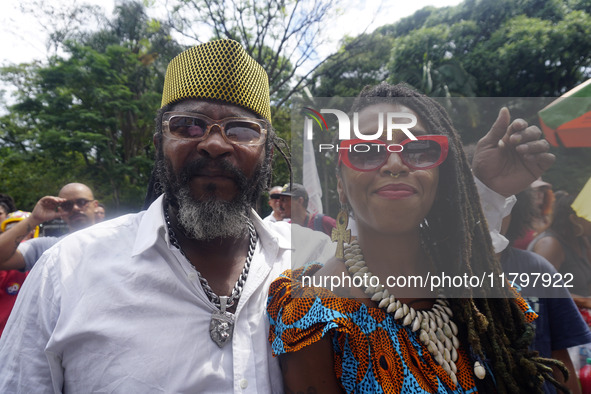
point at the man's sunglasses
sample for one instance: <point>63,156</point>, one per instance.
<point>427,152</point>
<point>67,206</point>
<point>196,127</point>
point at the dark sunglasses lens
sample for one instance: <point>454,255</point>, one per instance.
<point>421,153</point>
<point>187,126</point>
<point>367,156</point>
<point>67,206</point>
<point>243,132</point>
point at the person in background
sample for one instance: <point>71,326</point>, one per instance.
<point>275,215</point>
<point>99,213</point>
<point>75,204</point>
<point>542,200</point>
<point>566,245</point>
<point>11,281</point>
<point>6,206</point>
<point>293,203</point>
<point>13,219</point>
<point>559,325</point>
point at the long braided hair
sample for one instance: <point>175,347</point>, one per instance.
<point>494,328</point>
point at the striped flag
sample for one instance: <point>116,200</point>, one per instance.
<point>567,120</point>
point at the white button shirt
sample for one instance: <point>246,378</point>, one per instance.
<point>116,309</point>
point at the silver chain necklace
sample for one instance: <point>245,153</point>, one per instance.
<point>221,326</point>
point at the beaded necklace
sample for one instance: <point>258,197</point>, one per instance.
<point>437,331</point>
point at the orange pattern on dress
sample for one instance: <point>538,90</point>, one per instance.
<point>372,351</point>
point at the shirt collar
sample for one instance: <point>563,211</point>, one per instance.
<point>271,240</point>
<point>151,226</point>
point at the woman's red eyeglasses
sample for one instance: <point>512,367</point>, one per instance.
<point>428,151</point>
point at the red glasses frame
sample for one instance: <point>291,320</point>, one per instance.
<point>346,145</point>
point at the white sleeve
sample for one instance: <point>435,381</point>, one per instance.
<point>310,246</point>
<point>25,365</point>
<point>495,208</point>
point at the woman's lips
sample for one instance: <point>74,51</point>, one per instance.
<point>396,191</point>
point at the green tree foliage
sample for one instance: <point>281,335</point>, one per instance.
<point>88,116</point>
<point>503,48</point>
<point>362,61</point>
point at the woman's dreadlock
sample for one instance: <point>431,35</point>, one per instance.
<point>492,324</point>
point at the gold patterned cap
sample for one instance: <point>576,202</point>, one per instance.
<point>218,70</point>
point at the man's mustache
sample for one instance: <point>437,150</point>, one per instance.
<point>204,166</point>
<point>77,215</point>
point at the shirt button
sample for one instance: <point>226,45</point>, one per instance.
<point>243,384</point>
<point>192,275</point>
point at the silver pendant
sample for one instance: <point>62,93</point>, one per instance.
<point>221,326</point>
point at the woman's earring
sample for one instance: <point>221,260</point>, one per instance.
<point>340,234</point>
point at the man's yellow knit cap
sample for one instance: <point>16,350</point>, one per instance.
<point>218,70</point>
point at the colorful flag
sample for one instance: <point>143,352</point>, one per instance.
<point>582,204</point>
<point>567,120</point>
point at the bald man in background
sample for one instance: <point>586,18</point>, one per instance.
<point>275,215</point>
<point>75,205</point>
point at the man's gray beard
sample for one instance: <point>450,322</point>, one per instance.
<point>212,218</point>
<point>207,220</point>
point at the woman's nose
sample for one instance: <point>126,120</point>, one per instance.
<point>394,165</point>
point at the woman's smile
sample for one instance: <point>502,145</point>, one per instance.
<point>396,191</point>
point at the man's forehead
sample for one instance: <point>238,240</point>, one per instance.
<point>76,192</point>
<point>213,109</point>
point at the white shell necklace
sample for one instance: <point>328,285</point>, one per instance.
<point>437,331</point>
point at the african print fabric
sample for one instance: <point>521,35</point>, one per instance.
<point>372,352</point>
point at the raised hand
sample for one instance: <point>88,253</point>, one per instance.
<point>511,155</point>
<point>47,209</point>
